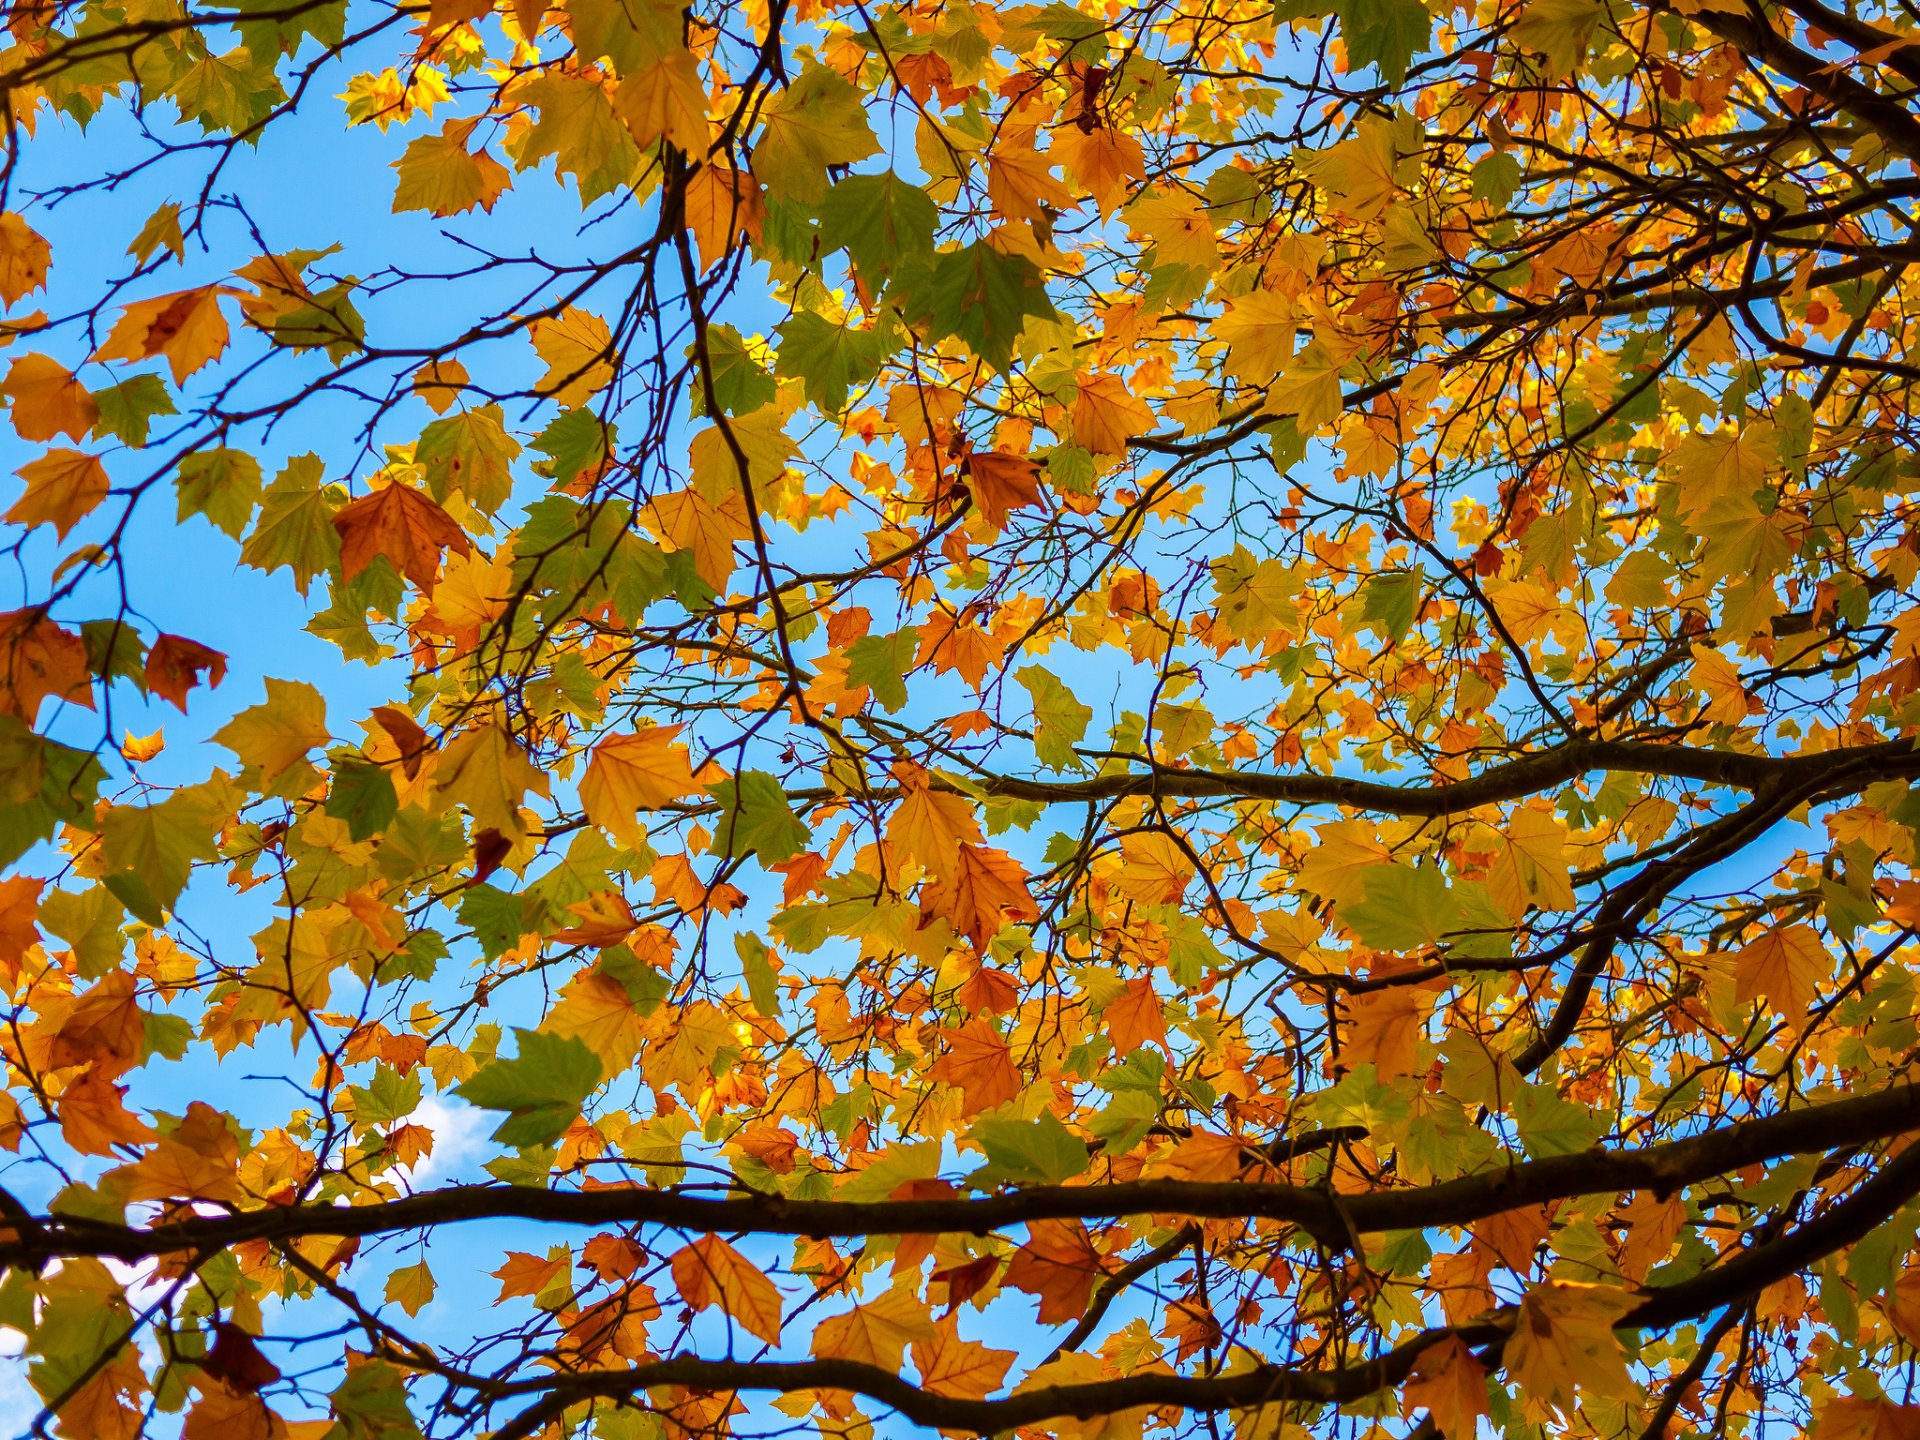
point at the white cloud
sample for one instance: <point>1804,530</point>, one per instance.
<point>459,1138</point>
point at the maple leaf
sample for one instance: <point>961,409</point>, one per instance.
<point>440,175</point>
<point>722,205</point>
<point>665,100</point>
<point>176,664</point>
<point>875,1333</point>
<point>402,525</point>
<point>1001,483</point>
<point>276,736</point>
<point>63,487</point>
<point>1785,967</point>
<point>988,888</point>
<point>711,1273</point>
<point>965,1369</point>
<point>815,122</point>
<point>1450,1384</point>
<point>1564,1341</point>
<point>47,400</point>
<point>1059,1263</point>
<point>24,258</point>
<point>931,826</point>
<point>634,773</point>
<point>186,327</point>
<point>39,659</point>
<point>1104,159</point>
<point>981,1064</point>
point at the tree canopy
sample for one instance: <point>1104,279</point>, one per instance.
<point>1097,719</point>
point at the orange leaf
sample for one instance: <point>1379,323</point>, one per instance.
<point>710,1272</point>
<point>967,1369</point>
<point>1450,1384</point>
<point>1000,483</point>
<point>525,1274</point>
<point>47,400</point>
<point>63,487</point>
<point>988,887</point>
<point>174,665</point>
<point>877,1333</point>
<point>981,1064</point>
<point>408,528</point>
<point>186,327</point>
<point>1138,1017</point>
<point>24,257</point>
<point>1061,1265</point>
<point>1785,967</point>
<point>94,1117</point>
<point>19,904</point>
<point>38,659</point>
<point>1106,416</point>
<point>629,774</point>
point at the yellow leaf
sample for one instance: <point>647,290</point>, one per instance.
<point>440,175</point>
<point>1259,330</point>
<point>1309,391</point>
<point>931,825</point>
<point>62,487</point>
<point>1154,868</point>
<point>631,774</point>
<point>488,772</point>
<point>596,1010</point>
<point>142,747</point>
<point>666,101</point>
<point>1563,1339</point>
<point>688,520</point>
<point>877,1333</point>
<point>47,400</point>
<point>1715,677</point>
<point>578,350</point>
<point>1361,173</point>
<point>949,1365</point>
<point>710,1272</point>
<point>1020,184</point>
<point>1103,159</point>
<point>1529,865</point>
<point>276,736</point>
<point>1106,416</point>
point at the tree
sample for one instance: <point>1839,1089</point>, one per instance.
<point>1081,718</point>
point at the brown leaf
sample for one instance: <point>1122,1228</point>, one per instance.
<point>403,525</point>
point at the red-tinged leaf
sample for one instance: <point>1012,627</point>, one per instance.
<point>175,665</point>
<point>402,525</point>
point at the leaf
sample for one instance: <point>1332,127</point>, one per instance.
<point>153,847</point>
<point>295,530</point>
<point>185,327</point>
<point>542,1089</point>
<point>221,484</point>
<point>1784,967</point>
<point>875,1333</point>
<point>984,298</point>
<point>880,663</point>
<point>666,100</point>
<point>981,1063</point>
<point>1564,1343</point>
<point>1450,1384</point>
<point>826,358</point>
<point>710,1273</point>
<point>411,1287</point>
<point>1060,720</point>
<point>63,488</point>
<point>988,888</point>
<point>1559,30</point>
<point>277,735</point>
<point>1406,907</point>
<point>489,772</point>
<point>631,774</point>
<point>1000,484</point>
<point>964,1369</point>
<point>817,121</point>
<point>753,819</point>
<point>47,400</point>
<point>1384,33</point>
<point>39,659</point>
<point>176,665</point>
<point>1027,1152</point>
<point>1106,417</point>
<point>1061,1265</point>
<point>470,454</point>
<point>577,348</point>
<point>24,258</point>
<point>931,825</point>
<point>880,220</point>
<point>440,175</point>
<point>401,525</point>
<point>127,409</point>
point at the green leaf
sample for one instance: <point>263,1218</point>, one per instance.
<point>1390,601</point>
<point>1549,1125</point>
<point>1406,907</point>
<point>223,485</point>
<point>469,453</point>
<point>826,358</point>
<point>880,662</point>
<point>411,1288</point>
<point>541,1090</point>
<point>371,1404</point>
<point>1384,33</point>
<point>815,122</point>
<point>1060,720</point>
<point>295,529</point>
<point>1496,178</point>
<point>741,383</point>
<point>757,968</point>
<point>1027,1152</point>
<point>392,1096</point>
<point>42,784</point>
<point>89,921</point>
<point>362,794</point>
<point>984,298</point>
<point>152,848</point>
<point>574,442</point>
<point>127,409</point>
<point>754,819</point>
<point>879,220</point>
